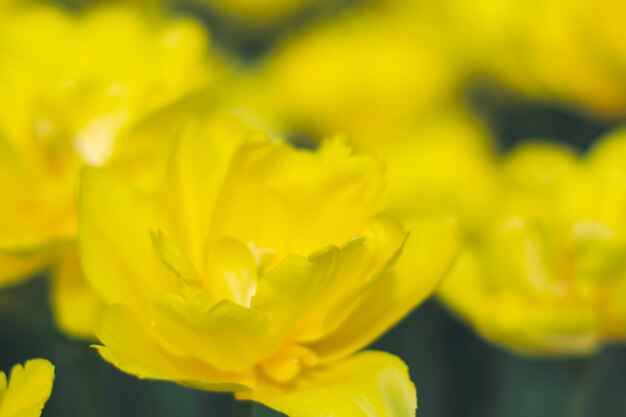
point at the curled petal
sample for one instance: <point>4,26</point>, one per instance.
<point>297,201</point>
<point>369,384</point>
<point>315,295</point>
<point>131,346</point>
<point>428,255</point>
<point>227,336</point>
<point>28,389</point>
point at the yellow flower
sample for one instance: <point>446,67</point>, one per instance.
<point>71,85</point>
<point>532,46</point>
<point>548,274</point>
<point>443,164</point>
<point>360,73</point>
<point>27,389</point>
<point>260,269</point>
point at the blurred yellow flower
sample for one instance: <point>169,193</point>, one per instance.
<point>547,276</point>
<point>71,85</point>
<point>28,388</point>
<point>533,46</point>
<point>441,165</point>
<point>359,73</point>
<point>260,269</point>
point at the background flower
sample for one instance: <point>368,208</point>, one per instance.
<point>532,47</point>
<point>546,275</point>
<point>72,84</point>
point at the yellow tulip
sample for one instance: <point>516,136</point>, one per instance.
<point>260,269</point>
<point>547,275</point>
<point>71,85</point>
<point>363,72</point>
<point>444,164</point>
<point>532,46</point>
<point>27,389</point>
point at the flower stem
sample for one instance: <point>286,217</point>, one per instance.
<point>243,409</point>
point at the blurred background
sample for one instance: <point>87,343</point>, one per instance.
<point>522,70</point>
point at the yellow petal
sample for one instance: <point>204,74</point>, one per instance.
<point>115,241</point>
<point>368,384</point>
<point>76,307</point>
<point>546,329</point>
<point>142,151</point>
<point>420,181</point>
<point>328,196</point>
<point>227,336</point>
<point>316,294</point>
<point>537,166</point>
<point>354,74</point>
<point>130,346</point>
<point>428,255</point>
<point>175,259</point>
<point>607,154</point>
<point>28,389</point>
<point>383,243</point>
<point>518,319</point>
<point>3,385</point>
<point>525,251</point>
<point>286,292</point>
<point>202,156</point>
<point>232,272</point>
<point>37,209</point>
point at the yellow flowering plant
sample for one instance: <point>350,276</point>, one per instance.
<point>443,164</point>
<point>71,84</point>
<point>360,74</point>
<point>259,269</point>
<point>27,389</point>
<point>532,46</point>
<point>547,275</point>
